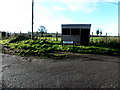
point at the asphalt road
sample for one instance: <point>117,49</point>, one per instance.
<point>84,71</point>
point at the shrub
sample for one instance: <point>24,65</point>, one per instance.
<point>17,38</point>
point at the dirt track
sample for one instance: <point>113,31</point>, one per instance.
<point>83,71</point>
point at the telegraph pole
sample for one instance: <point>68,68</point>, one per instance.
<point>32,18</point>
<point>119,21</point>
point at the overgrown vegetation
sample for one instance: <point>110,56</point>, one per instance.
<point>110,42</point>
<point>25,46</point>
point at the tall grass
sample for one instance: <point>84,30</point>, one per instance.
<point>25,46</point>
<point>112,42</point>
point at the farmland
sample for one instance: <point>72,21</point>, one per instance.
<point>44,46</point>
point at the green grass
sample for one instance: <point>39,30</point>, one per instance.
<point>110,42</point>
<point>50,38</point>
<point>24,46</point>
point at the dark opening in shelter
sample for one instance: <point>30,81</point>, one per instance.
<point>75,31</point>
<point>66,31</point>
<point>78,33</point>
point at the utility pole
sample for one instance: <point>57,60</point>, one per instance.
<point>32,18</point>
<point>119,21</point>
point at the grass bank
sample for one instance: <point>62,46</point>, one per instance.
<point>25,47</point>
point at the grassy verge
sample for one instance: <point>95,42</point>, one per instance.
<point>25,47</point>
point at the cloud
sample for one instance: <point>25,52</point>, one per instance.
<point>77,5</point>
<point>58,8</point>
<point>49,12</point>
<point>74,5</point>
<point>52,17</point>
<point>81,5</point>
<point>15,15</point>
<point>50,21</point>
<point>114,1</point>
<point>111,28</point>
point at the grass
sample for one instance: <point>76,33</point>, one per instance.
<point>110,42</point>
<point>24,46</point>
<point>50,38</point>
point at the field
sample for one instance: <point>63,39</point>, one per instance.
<point>91,38</point>
<point>112,42</point>
<point>46,45</point>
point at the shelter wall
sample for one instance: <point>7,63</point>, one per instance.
<point>75,38</point>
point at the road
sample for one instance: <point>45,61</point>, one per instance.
<point>82,71</point>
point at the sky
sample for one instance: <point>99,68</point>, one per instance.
<point>16,15</point>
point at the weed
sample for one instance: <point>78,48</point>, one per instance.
<point>43,47</point>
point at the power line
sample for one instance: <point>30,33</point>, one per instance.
<point>112,3</point>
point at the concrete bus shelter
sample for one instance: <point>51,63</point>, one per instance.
<point>78,34</point>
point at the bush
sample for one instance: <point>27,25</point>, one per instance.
<point>17,38</point>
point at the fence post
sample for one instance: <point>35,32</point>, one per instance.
<point>92,37</point>
<point>118,36</point>
<point>20,33</point>
<point>14,34</point>
<point>106,37</point>
<point>56,36</point>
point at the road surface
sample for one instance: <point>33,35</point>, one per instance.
<point>82,71</point>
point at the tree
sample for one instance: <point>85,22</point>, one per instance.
<point>42,30</point>
<point>100,33</point>
<point>97,32</point>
